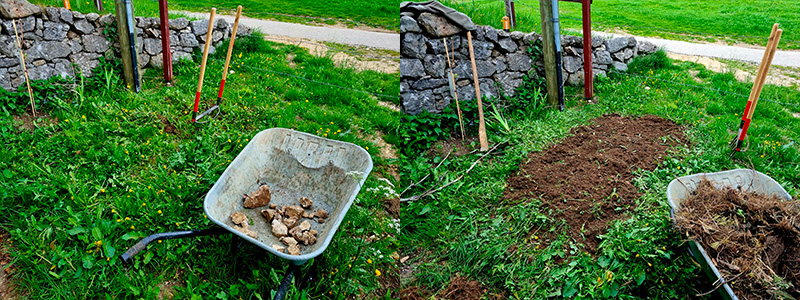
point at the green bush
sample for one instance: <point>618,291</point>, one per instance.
<point>646,63</point>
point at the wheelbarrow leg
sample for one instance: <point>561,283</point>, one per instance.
<point>167,236</point>
<point>281,294</point>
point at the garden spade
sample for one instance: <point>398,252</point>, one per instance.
<point>228,59</point>
<point>209,38</point>
<point>755,92</point>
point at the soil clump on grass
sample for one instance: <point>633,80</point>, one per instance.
<point>753,239</point>
<point>586,180</point>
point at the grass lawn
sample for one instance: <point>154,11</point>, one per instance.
<point>468,232</point>
<point>734,21</point>
<point>110,167</point>
<point>381,13</point>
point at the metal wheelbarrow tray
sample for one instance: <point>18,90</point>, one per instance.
<point>292,164</point>
<point>749,180</point>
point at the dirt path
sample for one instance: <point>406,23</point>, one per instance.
<point>745,72</point>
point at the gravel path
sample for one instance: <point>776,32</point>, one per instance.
<point>753,54</point>
<point>380,40</point>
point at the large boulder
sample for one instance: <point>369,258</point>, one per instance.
<point>95,43</point>
<point>15,9</point>
<point>408,24</point>
<point>437,26</point>
<point>618,43</point>
<point>55,31</point>
<point>413,45</point>
<point>411,68</point>
<point>49,50</point>
<point>572,63</point>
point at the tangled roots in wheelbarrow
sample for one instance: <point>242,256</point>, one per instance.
<point>754,238</point>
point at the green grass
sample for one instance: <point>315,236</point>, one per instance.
<point>75,195</point>
<point>734,21</point>
<point>467,229</point>
<point>381,13</point>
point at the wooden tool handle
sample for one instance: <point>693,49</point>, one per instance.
<point>765,69</point>
<point>764,58</point>
<point>230,45</point>
<point>481,125</point>
<point>209,37</point>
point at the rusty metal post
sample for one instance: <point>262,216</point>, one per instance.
<point>166,54</point>
<point>588,77</point>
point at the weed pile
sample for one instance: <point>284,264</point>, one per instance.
<point>754,239</point>
<point>586,179</point>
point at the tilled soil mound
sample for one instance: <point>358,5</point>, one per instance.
<point>753,239</point>
<point>586,179</point>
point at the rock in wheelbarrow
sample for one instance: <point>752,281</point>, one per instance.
<point>270,214</point>
<point>242,224</point>
<point>259,198</point>
<point>293,211</point>
<point>305,202</point>
<point>278,229</point>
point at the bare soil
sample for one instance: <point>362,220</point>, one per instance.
<point>456,145</point>
<point>28,122</point>
<point>7,287</point>
<point>586,179</point>
<point>169,127</point>
<point>754,239</point>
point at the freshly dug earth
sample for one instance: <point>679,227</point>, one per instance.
<point>752,238</point>
<point>459,288</point>
<point>586,179</point>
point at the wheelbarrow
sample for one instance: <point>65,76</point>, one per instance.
<point>749,180</point>
<point>293,164</point>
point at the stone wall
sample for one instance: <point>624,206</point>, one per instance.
<point>60,42</point>
<point>500,57</point>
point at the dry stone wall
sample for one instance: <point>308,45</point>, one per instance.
<point>500,57</point>
<point>60,42</point>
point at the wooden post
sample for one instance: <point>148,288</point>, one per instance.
<point>481,125</point>
<point>166,53</point>
<point>124,43</point>
<point>549,51</point>
<point>588,77</point>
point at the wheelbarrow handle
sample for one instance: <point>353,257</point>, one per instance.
<point>166,236</point>
<point>284,287</point>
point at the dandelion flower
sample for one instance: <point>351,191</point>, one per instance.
<point>377,272</point>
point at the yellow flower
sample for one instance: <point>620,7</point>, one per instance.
<point>127,219</point>
<point>144,204</point>
<point>369,261</point>
<point>637,254</point>
<point>367,148</point>
<point>102,190</point>
<point>132,227</point>
<point>377,272</point>
<point>159,211</point>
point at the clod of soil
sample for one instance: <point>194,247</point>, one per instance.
<point>289,241</point>
<point>269,214</point>
<point>321,213</point>
<point>273,205</point>
<point>753,239</point>
<point>242,224</point>
<point>305,202</point>
<point>321,220</point>
<point>238,218</point>
<point>291,222</point>
<point>287,224</point>
<point>461,288</point>
<point>586,179</point>
<point>279,248</point>
<point>293,211</point>
<point>278,229</point>
<point>259,198</point>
